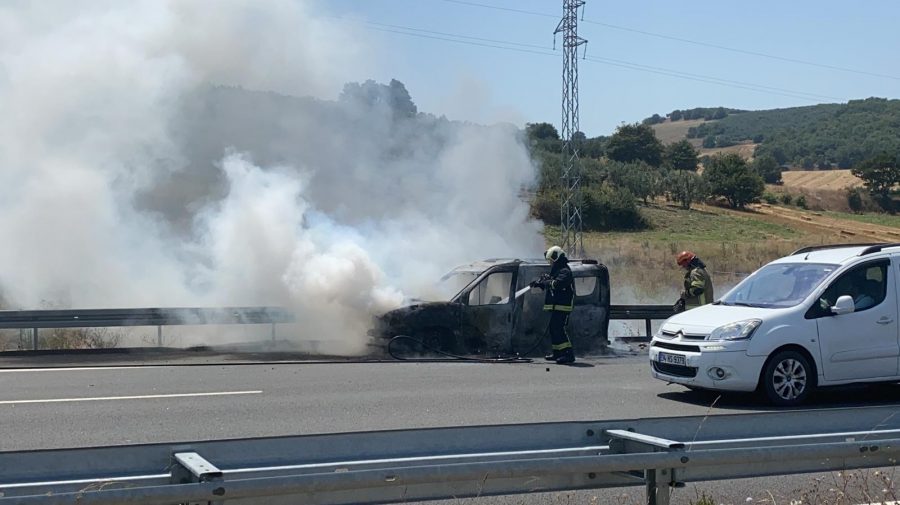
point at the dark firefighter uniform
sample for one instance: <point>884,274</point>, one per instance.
<point>559,300</point>
<point>698,287</point>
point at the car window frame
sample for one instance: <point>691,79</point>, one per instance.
<point>814,311</point>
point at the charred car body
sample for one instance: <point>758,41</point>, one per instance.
<point>487,318</point>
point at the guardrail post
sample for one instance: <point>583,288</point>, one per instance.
<point>192,467</point>
<point>658,482</point>
<point>649,323</point>
<point>159,336</point>
<point>34,339</point>
<point>657,487</point>
<point>273,332</point>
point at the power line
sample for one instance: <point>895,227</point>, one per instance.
<point>466,42</point>
<point>547,51</point>
<point>711,79</point>
<point>686,41</point>
<point>433,32</point>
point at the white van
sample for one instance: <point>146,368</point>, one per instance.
<point>823,316</point>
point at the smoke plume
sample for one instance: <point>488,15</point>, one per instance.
<point>182,153</point>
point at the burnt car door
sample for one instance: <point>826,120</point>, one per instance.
<point>589,323</point>
<point>487,310</point>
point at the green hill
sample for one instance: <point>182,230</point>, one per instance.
<point>824,136</point>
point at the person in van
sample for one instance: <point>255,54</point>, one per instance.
<point>698,286</point>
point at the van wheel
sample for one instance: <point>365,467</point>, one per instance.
<point>439,338</point>
<point>788,378</point>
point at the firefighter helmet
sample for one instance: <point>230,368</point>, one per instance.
<point>685,258</point>
<point>554,253</point>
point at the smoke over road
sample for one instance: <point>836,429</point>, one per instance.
<point>137,167</point>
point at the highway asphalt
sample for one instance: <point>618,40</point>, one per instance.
<point>79,405</point>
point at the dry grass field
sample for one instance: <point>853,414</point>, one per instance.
<point>673,131</point>
<point>732,243</point>
<point>820,179</point>
<point>744,150</point>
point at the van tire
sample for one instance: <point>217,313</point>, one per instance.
<point>788,378</point>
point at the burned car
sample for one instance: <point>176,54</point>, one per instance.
<point>487,318</point>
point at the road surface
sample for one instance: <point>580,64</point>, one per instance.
<point>77,406</point>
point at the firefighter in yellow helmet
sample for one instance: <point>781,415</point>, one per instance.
<point>559,300</point>
<point>698,286</point>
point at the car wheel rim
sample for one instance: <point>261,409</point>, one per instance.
<point>789,379</point>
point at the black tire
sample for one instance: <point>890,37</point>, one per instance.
<point>439,338</point>
<point>788,378</point>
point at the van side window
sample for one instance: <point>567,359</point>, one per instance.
<point>585,286</point>
<point>866,284</point>
<point>492,290</point>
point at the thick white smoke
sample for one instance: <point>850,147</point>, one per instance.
<point>126,179</point>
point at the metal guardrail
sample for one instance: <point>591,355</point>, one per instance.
<point>159,317</point>
<point>647,313</point>
<point>443,463</point>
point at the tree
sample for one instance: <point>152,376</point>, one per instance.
<point>729,176</point>
<point>709,142</point>
<point>654,119</point>
<point>681,156</point>
<point>686,187</point>
<point>676,115</point>
<point>371,94</point>
<point>592,147</point>
<point>880,175</point>
<point>541,131</point>
<point>767,168</point>
<point>399,99</point>
<point>543,137</point>
<point>635,142</point>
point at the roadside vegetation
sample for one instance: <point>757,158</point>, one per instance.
<point>645,200</point>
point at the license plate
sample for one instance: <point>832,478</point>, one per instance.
<point>671,359</point>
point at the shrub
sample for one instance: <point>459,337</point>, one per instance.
<point>610,208</point>
<point>854,199</point>
<point>545,206</point>
<point>787,198</point>
<point>770,198</point>
<point>801,201</point>
<point>604,208</point>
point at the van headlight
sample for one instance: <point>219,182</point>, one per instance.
<point>741,330</point>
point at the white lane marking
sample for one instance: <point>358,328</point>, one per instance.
<point>138,397</point>
<point>77,369</point>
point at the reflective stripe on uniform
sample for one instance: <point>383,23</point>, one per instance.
<point>559,308</point>
<point>562,347</point>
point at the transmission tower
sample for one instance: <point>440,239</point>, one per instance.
<point>571,205</point>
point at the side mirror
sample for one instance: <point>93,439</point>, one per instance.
<point>843,305</point>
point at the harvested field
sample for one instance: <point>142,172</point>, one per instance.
<point>842,229</point>
<point>670,132</point>
<point>820,179</point>
<point>744,150</point>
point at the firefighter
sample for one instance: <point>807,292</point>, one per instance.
<point>698,287</point>
<point>559,300</point>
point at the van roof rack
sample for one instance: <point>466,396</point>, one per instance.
<point>877,248</point>
<point>834,246</point>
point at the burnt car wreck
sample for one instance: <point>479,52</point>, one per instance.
<point>487,318</point>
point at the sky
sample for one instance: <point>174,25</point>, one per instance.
<point>631,54</point>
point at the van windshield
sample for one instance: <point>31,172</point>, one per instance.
<point>779,285</point>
